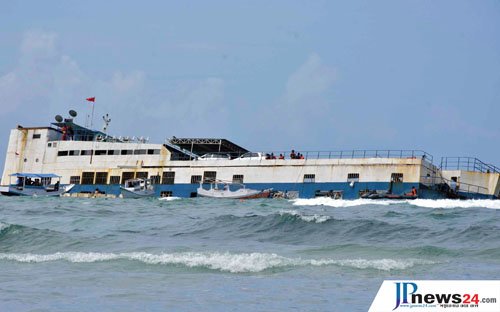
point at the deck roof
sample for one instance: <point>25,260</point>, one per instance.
<point>201,146</point>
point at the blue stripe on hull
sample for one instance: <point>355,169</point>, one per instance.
<point>306,190</point>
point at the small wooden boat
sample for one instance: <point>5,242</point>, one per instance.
<point>35,184</point>
<point>231,191</point>
<point>137,188</point>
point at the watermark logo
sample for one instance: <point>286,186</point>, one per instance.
<point>437,296</point>
<point>404,290</point>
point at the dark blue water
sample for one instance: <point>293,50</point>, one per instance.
<point>74,254</point>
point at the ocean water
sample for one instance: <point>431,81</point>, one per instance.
<point>74,254</point>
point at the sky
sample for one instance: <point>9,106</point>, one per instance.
<point>268,75</point>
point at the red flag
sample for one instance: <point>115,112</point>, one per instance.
<point>91,99</point>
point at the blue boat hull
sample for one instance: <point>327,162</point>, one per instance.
<point>305,190</point>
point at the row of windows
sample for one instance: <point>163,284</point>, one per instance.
<point>108,152</point>
<point>354,177</point>
<point>102,178</point>
<point>168,177</point>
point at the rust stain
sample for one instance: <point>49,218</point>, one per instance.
<point>24,142</point>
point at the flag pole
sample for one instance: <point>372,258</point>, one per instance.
<point>92,120</point>
<point>91,99</point>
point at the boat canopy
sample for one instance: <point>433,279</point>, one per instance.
<point>201,146</point>
<point>35,175</point>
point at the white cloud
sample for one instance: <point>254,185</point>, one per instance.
<point>123,83</point>
<point>311,79</point>
<point>38,45</point>
<point>46,79</point>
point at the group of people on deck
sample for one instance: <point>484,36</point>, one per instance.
<point>293,155</point>
<point>67,133</point>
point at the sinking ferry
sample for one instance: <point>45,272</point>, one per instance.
<point>93,161</point>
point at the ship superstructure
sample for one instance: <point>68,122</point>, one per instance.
<point>93,160</point>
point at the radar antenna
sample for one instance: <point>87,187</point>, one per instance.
<point>107,120</point>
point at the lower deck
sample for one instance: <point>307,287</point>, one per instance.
<point>303,190</point>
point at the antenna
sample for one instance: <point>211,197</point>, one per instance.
<point>107,120</point>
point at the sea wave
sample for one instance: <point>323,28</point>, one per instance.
<point>308,218</point>
<point>326,201</point>
<point>224,262</point>
<point>4,226</point>
<point>456,203</point>
<point>426,203</point>
<point>168,198</point>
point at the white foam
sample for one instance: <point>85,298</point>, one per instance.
<point>378,264</point>
<point>327,201</point>
<point>427,203</point>
<point>308,218</point>
<point>169,198</point>
<point>226,262</point>
<point>456,203</point>
<point>3,226</point>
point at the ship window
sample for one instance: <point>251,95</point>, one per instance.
<point>397,177</point>
<point>195,179</point>
<point>153,151</point>
<point>74,180</point>
<point>113,152</point>
<point>37,136</point>
<point>49,144</point>
<point>209,176</point>
<point>140,152</point>
<point>62,153</point>
<point>127,176</point>
<point>168,177</point>
<point>142,175</point>
<point>86,152</point>
<point>100,152</point>
<point>353,177</point>
<point>54,144</point>
<point>166,194</point>
<point>237,178</point>
<point>309,178</point>
<point>114,180</point>
<point>101,178</point>
<point>127,152</point>
<point>88,178</point>
<point>74,153</point>
<point>155,179</point>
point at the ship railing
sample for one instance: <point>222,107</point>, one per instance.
<point>344,154</point>
<point>454,186</point>
<point>467,164</point>
<point>354,154</point>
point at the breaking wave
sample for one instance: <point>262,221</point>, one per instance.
<point>3,226</point>
<point>224,262</point>
<point>426,203</point>
<point>456,203</point>
<point>326,201</point>
<point>307,218</point>
<point>168,198</point>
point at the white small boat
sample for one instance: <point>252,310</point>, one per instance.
<point>231,190</point>
<point>137,188</point>
<point>35,184</point>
